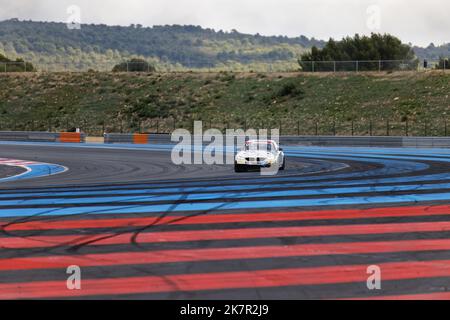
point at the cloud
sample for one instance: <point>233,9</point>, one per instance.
<point>416,21</point>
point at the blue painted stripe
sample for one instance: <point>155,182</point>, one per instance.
<point>414,198</point>
<point>229,188</point>
<point>37,170</point>
<point>227,195</point>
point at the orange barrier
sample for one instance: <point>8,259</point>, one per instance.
<point>140,138</point>
<point>72,137</point>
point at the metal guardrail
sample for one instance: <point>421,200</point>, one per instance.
<point>33,136</point>
<point>29,136</point>
<point>320,141</point>
<point>131,138</point>
<point>393,142</point>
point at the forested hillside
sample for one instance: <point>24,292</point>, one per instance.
<point>54,46</point>
<point>433,52</point>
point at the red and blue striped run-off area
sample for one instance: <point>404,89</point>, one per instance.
<point>139,226</point>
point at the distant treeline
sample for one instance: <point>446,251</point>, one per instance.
<point>179,46</point>
<point>53,46</point>
<point>432,52</point>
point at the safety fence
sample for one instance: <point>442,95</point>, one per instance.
<point>288,66</point>
<point>320,126</point>
<point>16,66</point>
<point>359,65</point>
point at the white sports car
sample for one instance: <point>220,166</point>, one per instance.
<point>260,154</point>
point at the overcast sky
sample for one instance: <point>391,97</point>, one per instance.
<point>416,21</point>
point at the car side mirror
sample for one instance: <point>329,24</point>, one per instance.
<point>281,149</point>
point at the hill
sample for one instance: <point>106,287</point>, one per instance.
<point>391,103</point>
<point>53,46</point>
<point>432,52</point>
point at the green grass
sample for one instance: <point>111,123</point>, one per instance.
<point>300,103</point>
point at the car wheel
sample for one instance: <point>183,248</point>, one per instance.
<point>239,168</point>
<point>284,164</point>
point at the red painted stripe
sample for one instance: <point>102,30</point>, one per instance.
<point>226,280</point>
<point>217,234</point>
<point>231,218</point>
<point>420,296</point>
<point>169,256</point>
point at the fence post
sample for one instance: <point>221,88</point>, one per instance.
<point>406,128</point>
<point>334,127</point>
<point>445,127</point>
<point>370,128</point>
<point>387,128</point>
<point>353,128</point>
<point>357,66</point>
<point>317,128</point>
<point>379,65</point>
<point>334,66</point>
<point>298,127</point>
<point>312,66</point>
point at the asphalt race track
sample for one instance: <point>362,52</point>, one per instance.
<point>9,171</point>
<point>142,227</point>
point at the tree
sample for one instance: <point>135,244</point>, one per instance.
<point>134,65</point>
<point>373,48</point>
<point>444,63</point>
<point>19,65</point>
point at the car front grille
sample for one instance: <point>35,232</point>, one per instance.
<point>255,159</point>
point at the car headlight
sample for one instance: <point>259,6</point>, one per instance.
<point>240,159</point>
<point>271,159</point>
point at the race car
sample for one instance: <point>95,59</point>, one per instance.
<point>259,154</point>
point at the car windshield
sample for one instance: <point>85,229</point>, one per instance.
<point>260,146</point>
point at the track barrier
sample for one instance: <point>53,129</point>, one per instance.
<point>325,141</point>
<point>25,136</point>
<point>140,138</point>
<point>136,138</point>
<point>71,137</point>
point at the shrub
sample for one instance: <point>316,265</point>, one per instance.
<point>134,65</point>
<point>444,63</point>
<point>19,65</point>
